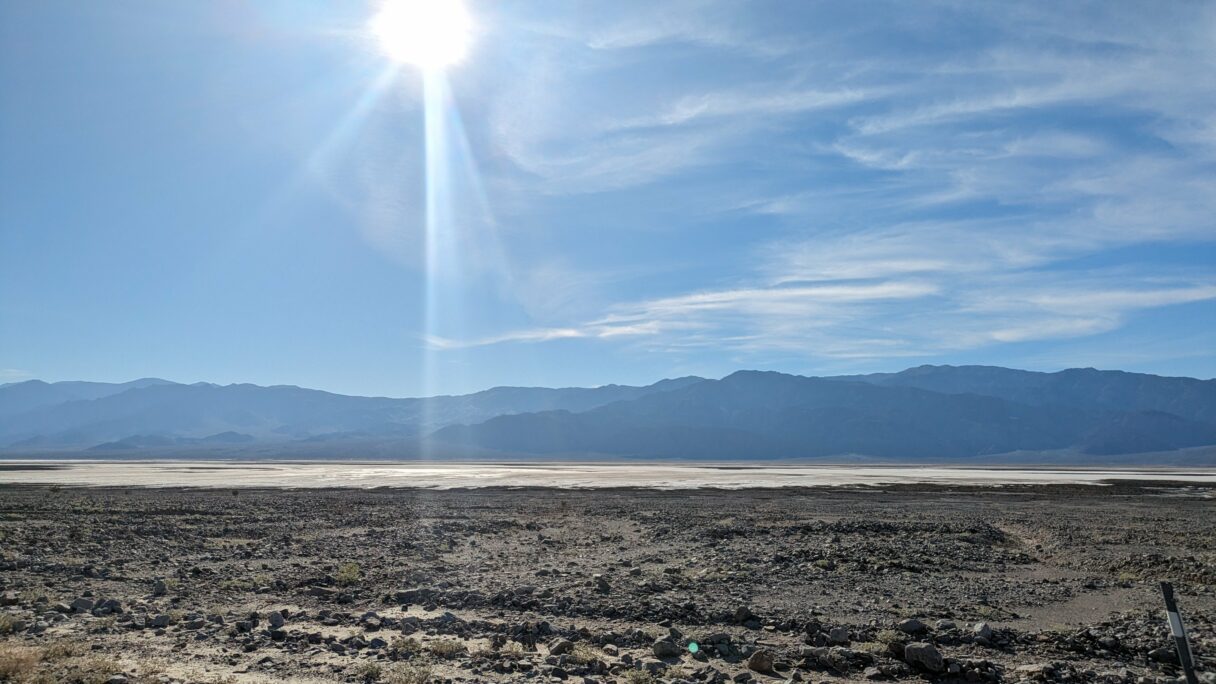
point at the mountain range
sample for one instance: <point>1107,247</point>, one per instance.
<point>923,414</point>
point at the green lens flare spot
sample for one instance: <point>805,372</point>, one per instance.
<point>693,647</point>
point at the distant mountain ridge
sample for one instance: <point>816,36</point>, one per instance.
<point>752,414</point>
<point>57,417</point>
<point>18,397</point>
<point>927,413</point>
<point>1079,387</point>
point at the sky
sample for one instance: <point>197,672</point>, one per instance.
<point>618,192</point>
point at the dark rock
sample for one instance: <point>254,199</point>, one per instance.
<point>925,656</point>
<point>761,661</point>
<point>666,648</point>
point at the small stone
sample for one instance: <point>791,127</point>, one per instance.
<point>1162,655</point>
<point>761,661</point>
<point>912,626</point>
<point>1034,670</point>
<point>982,630</point>
<point>838,635</point>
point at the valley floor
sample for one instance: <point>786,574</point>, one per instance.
<point>904,582</point>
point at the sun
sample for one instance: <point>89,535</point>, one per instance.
<point>430,34</point>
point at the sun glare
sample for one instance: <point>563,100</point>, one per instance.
<point>430,34</point>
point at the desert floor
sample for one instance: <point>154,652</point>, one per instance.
<point>897,582</point>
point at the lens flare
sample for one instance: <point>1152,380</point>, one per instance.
<point>430,34</point>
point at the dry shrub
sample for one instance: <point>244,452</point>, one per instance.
<point>406,674</point>
<point>446,648</point>
<point>17,663</point>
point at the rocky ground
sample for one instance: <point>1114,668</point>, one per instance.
<point>402,586</point>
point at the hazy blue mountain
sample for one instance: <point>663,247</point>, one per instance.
<point>925,413</point>
<point>1084,388</point>
<point>19,397</point>
<point>771,415</point>
<point>135,442</point>
<point>136,416</point>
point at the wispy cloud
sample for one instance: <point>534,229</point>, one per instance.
<point>711,105</point>
<point>888,195</point>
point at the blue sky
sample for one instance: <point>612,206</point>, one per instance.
<point>235,192</point>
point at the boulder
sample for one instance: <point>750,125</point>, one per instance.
<point>666,648</point>
<point>924,655</point>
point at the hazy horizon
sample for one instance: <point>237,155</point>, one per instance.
<point>643,383</point>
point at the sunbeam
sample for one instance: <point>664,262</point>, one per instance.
<point>432,36</point>
<point>315,165</point>
<point>440,259</point>
<point>460,234</point>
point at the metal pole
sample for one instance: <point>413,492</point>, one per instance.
<point>1179,632</point>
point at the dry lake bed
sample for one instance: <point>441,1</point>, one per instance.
<point>561,475</point>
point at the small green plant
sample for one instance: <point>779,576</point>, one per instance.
<point>988,612</point>
<point>871,647</point>
<point>241,584</point>
<point>348,574</point>
<point>889,636</point>
<point>638,677</point>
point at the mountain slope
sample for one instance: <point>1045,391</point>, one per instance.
<point>924,414</point>
<point>1084,388</point>
<point>19,397</point>
<point>280,413</point>
<point>771,415</point>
